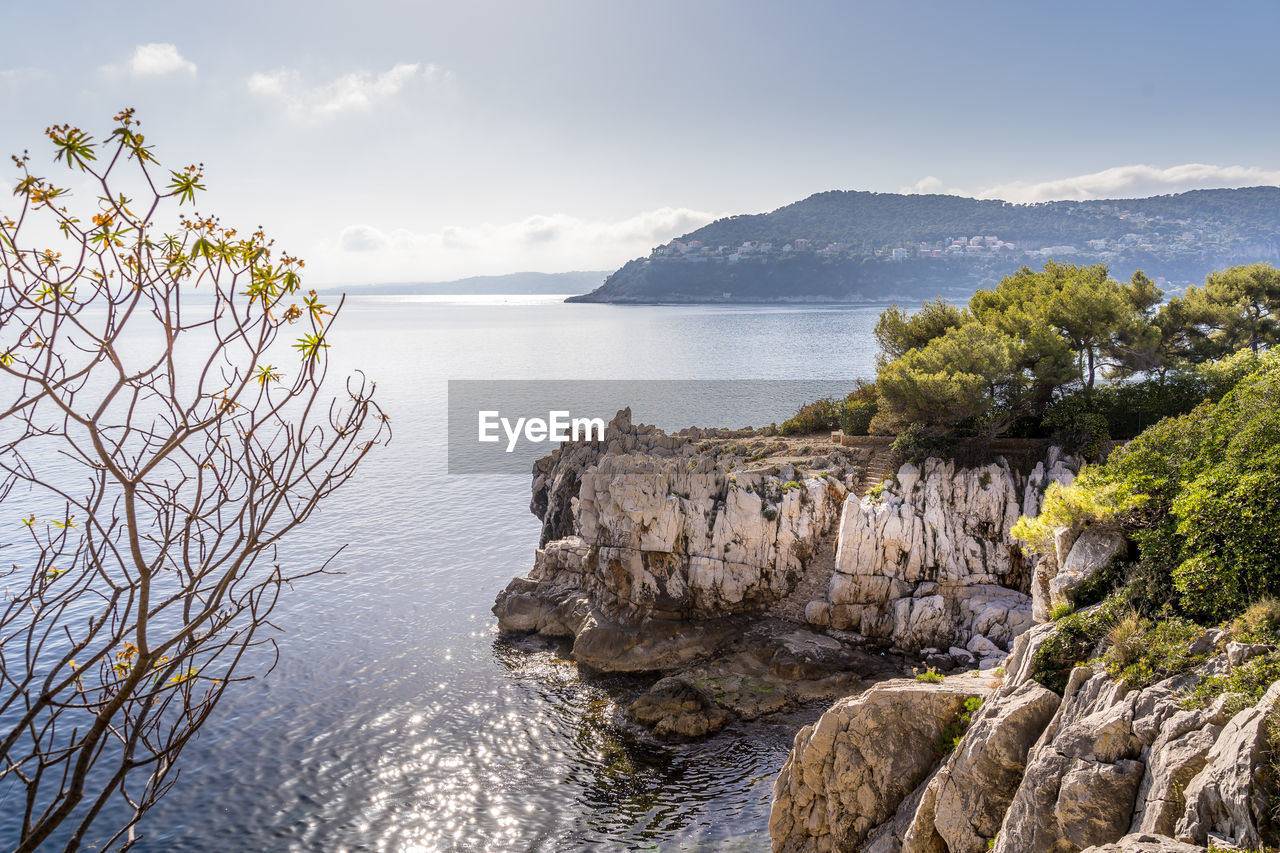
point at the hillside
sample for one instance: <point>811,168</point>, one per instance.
<point>857,246</point>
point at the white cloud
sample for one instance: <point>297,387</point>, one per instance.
<point>362,238</point>
<point>359,91</point>
<point>152,60</point>
<point>1134,182</point>
<point>1138,181</point>
<point>925,186</point>
<point>544,242</point>
<point>157,59</point>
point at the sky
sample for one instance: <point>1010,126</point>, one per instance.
<point>424,141</point>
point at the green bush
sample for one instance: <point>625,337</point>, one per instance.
<point>929,676</point>
<point>1149,651</point>
<point>915,444</point>
<point>954,731</point>
<point>858,409</point>
<point>1074,642</point>
<point>1131,407</point>
<point>1248,681</point>
<point>1260,623</point>
<point>1199,494</point>
<point>819,416</point>
<point>852,415</point>
<point>1077,426</point>
<point>1228,513</point>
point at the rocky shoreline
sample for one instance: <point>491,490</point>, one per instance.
<point>754,575</point>
<point>1106,766</point>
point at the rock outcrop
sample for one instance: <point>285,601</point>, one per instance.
<point>1106,767</point>
<point>927,560</point>
<point>1226,798</point>
<point>652,543</point>
<point>752,560</point>
<point>850,771</point>
<point>1090,552</point>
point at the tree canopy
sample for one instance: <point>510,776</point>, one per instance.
<point>1014,350</point>
<point>1236,308</point>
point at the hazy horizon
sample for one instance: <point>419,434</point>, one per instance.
<point>443,141</point>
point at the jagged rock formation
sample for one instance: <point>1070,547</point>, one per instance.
<point>928,560</point>
<point>653,542</point>
<point>751,567</point>
<point>1077,557</point>
<point>1107,767</point>
<point>850,771</point>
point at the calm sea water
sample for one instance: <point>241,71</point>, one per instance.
<point>396,718</point>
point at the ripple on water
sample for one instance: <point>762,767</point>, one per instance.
<point>393,721</point>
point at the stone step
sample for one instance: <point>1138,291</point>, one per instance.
<point>879,468</point>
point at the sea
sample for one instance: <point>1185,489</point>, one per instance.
<point>396,717</point>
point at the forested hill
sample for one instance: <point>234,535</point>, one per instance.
<point>852,246</point>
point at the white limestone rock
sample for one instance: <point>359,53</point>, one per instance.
<point>1093,550</point>
<point>930,561</point>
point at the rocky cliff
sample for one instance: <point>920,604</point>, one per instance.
<point>927,559</point>
<point>756,573</point>
<point>1106,766</point>
<point>753,571</point>
<point>652,543</point>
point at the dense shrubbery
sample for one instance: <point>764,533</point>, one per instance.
<point>915,444</point>
<point>819,416</point>
<point>1083,423</point>
<point>1248,682</point>
<point>1144,651</point>
<point>859,410</point>
<point>1200,494</point>
<point>853,414</point>
<point>1075,642</point>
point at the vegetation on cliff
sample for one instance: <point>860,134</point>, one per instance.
<point>1199,494</point>
<point>1066,352</point>
<point>1193,385</point>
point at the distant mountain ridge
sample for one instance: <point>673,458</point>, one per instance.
<point>857,246</point>
<point>517,283</point>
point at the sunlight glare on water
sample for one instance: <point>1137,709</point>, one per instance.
<point>396,718</point>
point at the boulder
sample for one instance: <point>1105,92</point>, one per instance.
<point>981,646</point>
<point>1093,550</point>
<point>974,788</point>
<point>1143,842</point>
<point>818,613</point>
<point>850,771</point>
<point>1090,737</point>
<point>674,708</point>
<point>1177,754</point>
<point>1095,801</point>
<point>1226,798</point>
<point>1239,653</point>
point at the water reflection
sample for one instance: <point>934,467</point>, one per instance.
<point>395,719</point>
